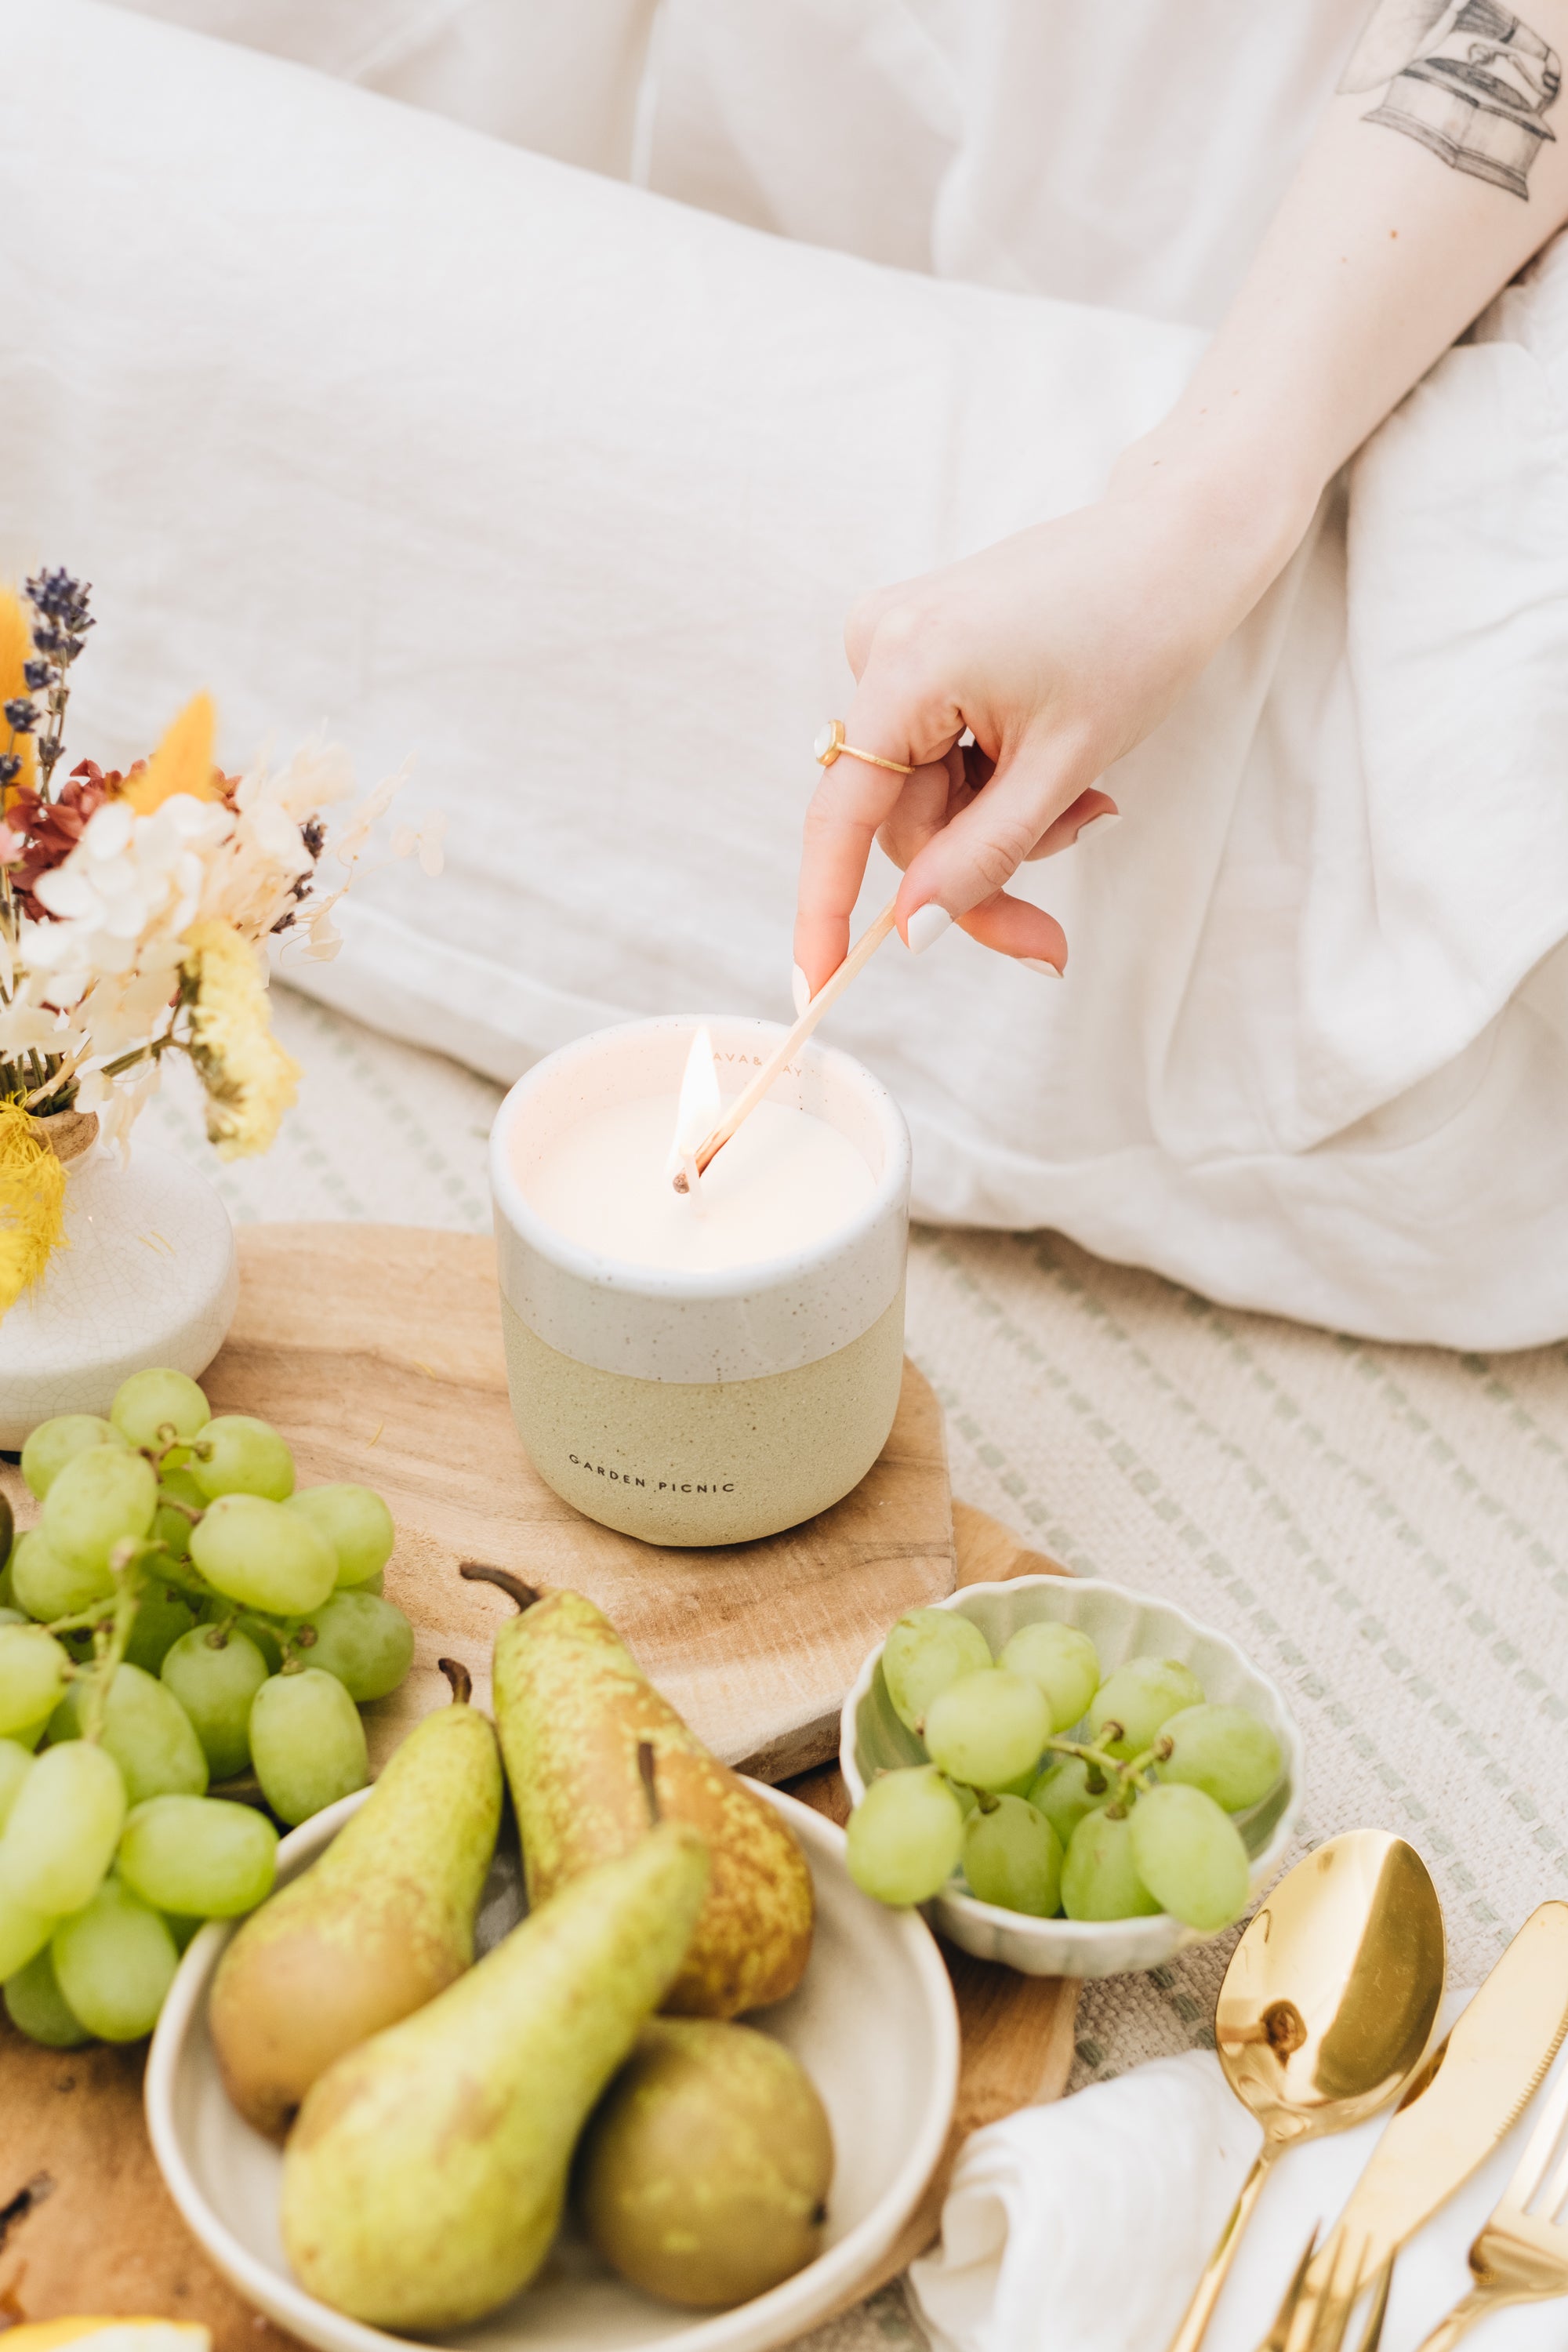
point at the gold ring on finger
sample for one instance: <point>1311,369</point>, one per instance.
<point>830,743</point>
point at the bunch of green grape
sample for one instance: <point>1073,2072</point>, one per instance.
<point>1058,1788</point>
<point>179,1616</point>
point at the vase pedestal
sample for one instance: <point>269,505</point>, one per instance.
<point>149,1277</point>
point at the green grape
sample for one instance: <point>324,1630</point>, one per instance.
<point>1012,1857</point>
<point>115,1959</point>
<point>147,1732</point>
<point>1189,1856</point>
<point>307,1743</point>
<point>367,1642</point>
<point>927,1650</point>
<point>987,1728</point>
<point>46,1588</point>
<point>1100,1875</point>
<point>1064,1795</point>
<point>1228,1752</point>
<point>32,1735</point>
<point>1139,1697</point>
<point>356,1525</point>
<point>236,1455</point>
<point>16,1763</point>
<point>198,1855</point>
<point>100,1498</point>
<point>263,1556</point>
<point>33,1671</point>
<point>37,2008</point>
<point>7,1540</point>
<point>153,1407</point>
<point>163,1616</point>
<point>905,1836</point>
<point>64,1827</point>
<point>23,1930</point>
<point>171,1527</point>
<point>1064,1661</point>
<point>54,1442</point>
<point>376,1583</point>
<point>215,1682</point>
<point>9,1616</point>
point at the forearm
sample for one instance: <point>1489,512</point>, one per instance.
<point>1394,235</point>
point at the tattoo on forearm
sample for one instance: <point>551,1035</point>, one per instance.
<point>1466,78</point>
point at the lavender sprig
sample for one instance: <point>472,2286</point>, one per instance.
<point>59,632</point>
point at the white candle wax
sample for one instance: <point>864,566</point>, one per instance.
<point>785,1181</point>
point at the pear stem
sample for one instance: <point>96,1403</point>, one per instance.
<point>480,1571</point>
<point>645,1766</point>
<point>462,1681</point>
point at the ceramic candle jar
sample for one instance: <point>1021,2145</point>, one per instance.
<point>700,1405</point>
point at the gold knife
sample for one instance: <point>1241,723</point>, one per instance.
<point>1462,2104</point>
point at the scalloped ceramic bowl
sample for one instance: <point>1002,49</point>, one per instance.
<point>1121,1625</point>
<point>873,2024</point>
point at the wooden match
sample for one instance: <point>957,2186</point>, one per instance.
<point>746,1102</point>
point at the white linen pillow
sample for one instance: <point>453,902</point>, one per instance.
<point>354,414</point>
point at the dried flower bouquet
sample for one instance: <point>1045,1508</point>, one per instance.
<point>135,911</point>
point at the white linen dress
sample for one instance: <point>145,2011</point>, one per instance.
<point>371,403</point>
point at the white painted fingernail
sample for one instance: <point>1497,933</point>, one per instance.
<point>1100,824</point>
<point>1038,963</point>
<point>926,925</point>
<point>800,989</point>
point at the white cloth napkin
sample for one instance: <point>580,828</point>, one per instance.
<point>1083,2226</point>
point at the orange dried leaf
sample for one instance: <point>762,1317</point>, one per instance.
<point>183,762</point>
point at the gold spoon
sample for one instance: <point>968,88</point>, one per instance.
<point>1327,2007</point>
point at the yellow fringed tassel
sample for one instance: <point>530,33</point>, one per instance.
<point>32,1204</point>
<point>15,647</point>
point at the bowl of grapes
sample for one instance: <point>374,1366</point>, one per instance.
<point>1068,1777</point>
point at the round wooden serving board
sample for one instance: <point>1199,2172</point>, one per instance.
<point>376,1349</point>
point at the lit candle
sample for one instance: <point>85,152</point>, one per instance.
<point>705,1368</point>
<point>786,1180</point>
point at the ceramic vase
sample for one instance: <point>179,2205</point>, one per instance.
<point>148,1277</point>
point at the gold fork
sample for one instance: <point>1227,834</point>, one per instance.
<point>1519,2256</point>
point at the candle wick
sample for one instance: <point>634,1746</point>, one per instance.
<point>688,1182</point>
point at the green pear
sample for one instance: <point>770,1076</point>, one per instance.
<point>425,2178</point>
<point>381,1923</point>
<point>572,1707</point>
<point>704,2174</point>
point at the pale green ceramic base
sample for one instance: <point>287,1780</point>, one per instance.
<point>679,1462</point>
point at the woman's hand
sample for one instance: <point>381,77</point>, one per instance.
<point>1059,650</point>
<point>1063,648</point>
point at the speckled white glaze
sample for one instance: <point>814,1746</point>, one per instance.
<point>149,1278</point>
<point>1121,1625</point>
<point>704,1392</point>
<point>738,1323</point>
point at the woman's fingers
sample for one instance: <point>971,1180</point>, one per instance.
<point>1092,807</point>
<point>854,800</point>
<point>1016,928</point>
<point>974,858</point>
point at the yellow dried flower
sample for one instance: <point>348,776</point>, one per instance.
<point>32,1204</point>
<point>250,1081</point>
<point>15,647</point>
<point>183,762</point>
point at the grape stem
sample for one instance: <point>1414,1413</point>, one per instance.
<point>111,1634</point>
<point>1130,1776</point>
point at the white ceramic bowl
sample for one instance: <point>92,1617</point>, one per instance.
<point>874,2023</point>
<point>1121,1625</point>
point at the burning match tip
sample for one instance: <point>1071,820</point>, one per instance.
<point>679,1181</point>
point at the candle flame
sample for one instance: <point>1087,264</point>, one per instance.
<point>697,1114</point>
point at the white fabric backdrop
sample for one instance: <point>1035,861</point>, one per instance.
<point>353,413</point>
